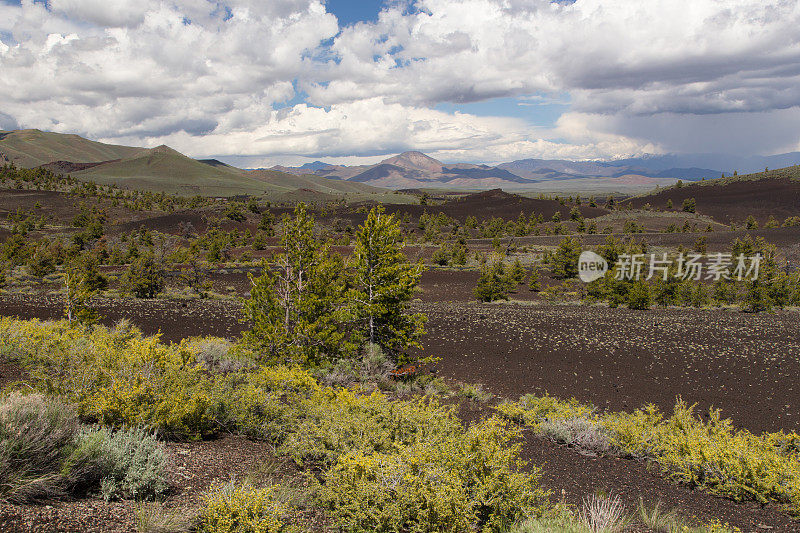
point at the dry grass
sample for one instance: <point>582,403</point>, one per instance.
<point>604,513</point>
<point>157,518</point>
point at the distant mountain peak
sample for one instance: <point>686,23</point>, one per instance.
<point>164,149</point>
<point>413,160</point>
<point>315,165</point>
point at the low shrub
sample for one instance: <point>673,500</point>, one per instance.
<point>36,434</point>
<point>217,355</point>
<point>475,392</point>
<point>242,508</point>
<point>44,454</point>
<point>115,376</point>
<point>127,464</point>
<point>374,366</point>
<point>710,454</point>
<point>456,482</point>
<point>582,432</point>
<point>262,404</point>
<point>338,421</point>
<point>533,410</point>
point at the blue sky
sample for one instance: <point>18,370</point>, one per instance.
<point>289,81</point>
<point>350,11</point>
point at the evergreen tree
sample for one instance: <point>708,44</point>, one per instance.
<point>442,255</point>
<point>564,261</point>
<point>297,307</point>
<point>384,284</point>
<point>516,274</point>
<point>493,282</point>
<point>266,222</point>
<point>460,252</point>
<point>638,296</point>
<point>144,278</point>
<point>534,283</point>
<point>82,280</point>
<point>757,297</point>
<point>193,275</point>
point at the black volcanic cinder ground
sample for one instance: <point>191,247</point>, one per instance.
<point>734,201</point>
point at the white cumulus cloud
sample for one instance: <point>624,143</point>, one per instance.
<point>281,79</point>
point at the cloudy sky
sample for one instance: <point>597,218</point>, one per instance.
<point>260,82</point>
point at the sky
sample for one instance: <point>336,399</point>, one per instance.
<point>257,83</point>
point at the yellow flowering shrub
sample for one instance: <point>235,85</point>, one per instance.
<point>242,508</point>
<point>712,454</point>
<point>709,454</point>
<point>116,376</point>
<point>263,404</point>
<point>454,483</point>
<point>336,421</point>
<point>533,410</point>
<point>715,526</point>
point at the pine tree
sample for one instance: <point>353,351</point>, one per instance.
<point>82,280</point>
<point>460,252</point>
<point>144,278</point>
<point>534,283</point>
<point>564,261</point>
<point>516,274</point>
<point>297,306</point>
<point>638,296</point>
<point>384,283</point>
<point>493,282</point>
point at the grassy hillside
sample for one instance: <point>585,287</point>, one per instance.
<point>31,148</point>
<point>163,169</point>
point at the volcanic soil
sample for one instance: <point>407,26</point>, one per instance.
<point>618,359</point>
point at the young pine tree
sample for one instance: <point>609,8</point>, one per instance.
<point>384,283</point>
<point>534,283</point>
<point>493,282</point>
<point>144,278</point>
<point>82,280</point>
<point>516,274</point>
<point>297,306</point>
<point>564,261</point>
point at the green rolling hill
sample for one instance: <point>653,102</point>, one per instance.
<point>166,170</point>
<point>163,169</point>
<point>32,148</point>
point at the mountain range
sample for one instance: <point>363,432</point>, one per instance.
<point>417,170</point>
<point>164,169</point>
